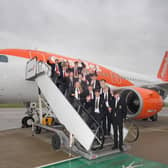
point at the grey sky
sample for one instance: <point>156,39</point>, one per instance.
<point>128,34</point>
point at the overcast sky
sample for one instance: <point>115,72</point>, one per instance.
<point>128,34</point>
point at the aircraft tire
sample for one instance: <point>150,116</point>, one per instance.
<point>145,119</point>
<point>56,142</point>
<point>154,117</point>
<point>23,122</point>
<point>27,122</point>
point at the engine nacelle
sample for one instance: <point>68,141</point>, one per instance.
<point>141,103</point>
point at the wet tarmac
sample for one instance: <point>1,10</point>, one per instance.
<point>10,118</point>
<point>153,141</point>
<point>19,149</point>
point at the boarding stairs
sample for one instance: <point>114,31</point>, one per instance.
<point>89,142</point>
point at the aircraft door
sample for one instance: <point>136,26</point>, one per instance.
<point>3,66</point>
<point>40,56</point>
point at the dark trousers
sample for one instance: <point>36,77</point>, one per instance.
<point>118,129</point>
<point>98,117</point>
<point>107,123</point>
<point>75,104</point>
<point>68,95</point>
<point>54,77</point>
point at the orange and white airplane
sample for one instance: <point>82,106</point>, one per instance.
<point>144,96</point>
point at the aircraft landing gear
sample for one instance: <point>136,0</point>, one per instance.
<point>154,117</point>
<point>56,142</point>
<point>28,119</point>
<point>37,130</point>
<point>27,122</point>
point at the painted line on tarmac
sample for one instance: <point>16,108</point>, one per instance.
<point>155,130</point>
<point>50,164</point>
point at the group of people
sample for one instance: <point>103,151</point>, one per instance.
<point>81,85</point>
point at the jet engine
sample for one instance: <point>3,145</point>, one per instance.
<point>141,103</point>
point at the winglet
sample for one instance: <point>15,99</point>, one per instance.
<point>163,71</point>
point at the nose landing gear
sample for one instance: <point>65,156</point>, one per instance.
<point>28,120</point>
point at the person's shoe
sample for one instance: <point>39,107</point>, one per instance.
<point>121,149</point>
<point>114,147</point>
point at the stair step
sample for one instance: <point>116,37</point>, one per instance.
<point>109,144</point>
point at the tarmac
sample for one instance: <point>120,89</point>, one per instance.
<point>153,141</point>
<point>20,149</point>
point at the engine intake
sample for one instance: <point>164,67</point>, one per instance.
<point>141,103</point>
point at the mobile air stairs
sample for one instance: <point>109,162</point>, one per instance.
<point>73,132</point>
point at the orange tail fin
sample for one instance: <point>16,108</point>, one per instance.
<point>163,71</point>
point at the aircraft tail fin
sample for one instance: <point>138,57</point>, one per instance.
<point>163,71</point>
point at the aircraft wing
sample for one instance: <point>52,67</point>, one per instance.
<point>161,88</point>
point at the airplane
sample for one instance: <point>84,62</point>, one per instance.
<point>144,96</point>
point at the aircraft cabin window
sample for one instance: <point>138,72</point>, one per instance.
<point>3,58</point>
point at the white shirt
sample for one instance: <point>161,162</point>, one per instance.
<point>116,102</point>
<point>91,94</point>
<point>101,90</point>
<point>94,83</point>
<point>77,93</point>
<point>106,95</point>
<point>97,109</point>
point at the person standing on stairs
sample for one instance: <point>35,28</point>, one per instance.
<point>119,116</point>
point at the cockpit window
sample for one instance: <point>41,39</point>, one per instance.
<point>3,58</point>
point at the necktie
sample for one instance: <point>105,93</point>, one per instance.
<point>105,97</point>
<point>76,72</point>
<point>116,102</point>
<point>71,82</point>
<point>84,77</point>
<point>101,90</point>
<point>93,83</point>
<point>97,103</point>
<point>76,93</point>
<point>64,74</point>
<point>56,68</point>
<point>91,95</point>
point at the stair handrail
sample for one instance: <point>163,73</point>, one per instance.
<point>99,126</point>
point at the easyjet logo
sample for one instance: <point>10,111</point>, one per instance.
<point>165,68</point>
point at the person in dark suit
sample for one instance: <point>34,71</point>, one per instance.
<point>67,65</point>
<point>63,78</point>
<point>107,118</point>
<point>119,115</point>
<point>58,70</point>
<point>51,63</point>
<point>77,94</point>
<point>111,108</point>
<point>98,107</point>
<point>69,84</point>
<point>89,97</point>
<point>83,66</point>
<point>81,81</point>
<point>85,74</point>
<point>89,92</point>
<point>58,67</point>
<point>77,69</point>
<point>102,85</point>
<point>94,82</point>
<point>63,70</point>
